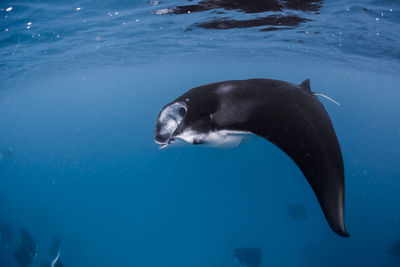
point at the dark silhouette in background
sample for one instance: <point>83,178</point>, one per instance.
<point>6,233</point>
<point>395,250</point>
<point>27,250</point>
<point>249,257</point>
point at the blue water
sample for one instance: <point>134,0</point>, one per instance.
<point>82,82</point>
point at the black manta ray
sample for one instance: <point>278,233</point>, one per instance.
<point>247,257</point>
<point>27,251</point>
<point>288,115</point>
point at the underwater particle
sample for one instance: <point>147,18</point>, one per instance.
<point>377,19</point>
<point>137,20</point>
<point>391,10</point>
<point>78,8</point>
<point>6,30</point>
<point>29,23</point>
<point>154,2</point>
<point>9,9</point>
<point>116,13</point>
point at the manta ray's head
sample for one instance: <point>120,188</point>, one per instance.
<point>168,121</point>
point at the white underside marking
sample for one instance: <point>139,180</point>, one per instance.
<point>56,259</point>
<point>222,139</point>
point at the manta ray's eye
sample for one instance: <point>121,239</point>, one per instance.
<point>182,111</point>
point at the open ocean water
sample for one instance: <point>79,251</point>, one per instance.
<point>82,82</point>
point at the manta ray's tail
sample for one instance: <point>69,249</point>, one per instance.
<point>327,97</point>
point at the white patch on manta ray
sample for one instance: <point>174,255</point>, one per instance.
<point>224,88</point>
<point>172,110</point>
<point>222,139</point>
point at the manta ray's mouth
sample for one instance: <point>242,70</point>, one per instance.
<point>165,144</point>
<point>162,146</point>
<point>174,141</point>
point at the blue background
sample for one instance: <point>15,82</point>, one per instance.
<point>79,110</point>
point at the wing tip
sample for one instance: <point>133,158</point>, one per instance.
<point>342,232</point>
<point>338,227</point>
